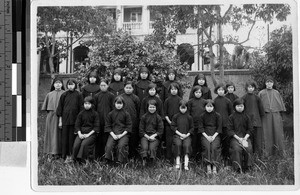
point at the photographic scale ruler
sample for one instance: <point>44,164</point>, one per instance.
<point>12,104</point>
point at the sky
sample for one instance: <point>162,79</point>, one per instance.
<point>259,35</point>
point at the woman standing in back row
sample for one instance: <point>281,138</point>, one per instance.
<point>52,137</point>
<point>272,120</point>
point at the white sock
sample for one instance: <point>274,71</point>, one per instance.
<point>208,168</point>
<point>186,160</point>
<point>178,160</point>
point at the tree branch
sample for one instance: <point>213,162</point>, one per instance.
<point>227,11</point>
<point>69,45</point>
<point>249,32</point>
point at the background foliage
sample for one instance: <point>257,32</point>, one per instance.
<point>76,21</point>
<point>120,49</point>
<point>176,19</point>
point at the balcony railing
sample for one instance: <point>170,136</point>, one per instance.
<point>132,26</point>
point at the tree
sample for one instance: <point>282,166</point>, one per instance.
<point>172,20</point>
<point>76,21</point>
<point>122,50</point>
<point>277,63</point>
<point>240,57</point>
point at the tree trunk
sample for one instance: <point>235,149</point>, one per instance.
<point>221,58</point>
<point>52,54</point>
<point>212,65</point>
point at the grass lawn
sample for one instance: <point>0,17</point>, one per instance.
<point>271,171</point>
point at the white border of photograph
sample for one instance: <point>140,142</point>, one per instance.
<point>34,100</point>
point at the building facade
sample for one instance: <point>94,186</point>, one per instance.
<point>138,21</point>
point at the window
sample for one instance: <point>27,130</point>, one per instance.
<point>135,17</point>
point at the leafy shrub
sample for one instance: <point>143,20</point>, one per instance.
<point>127,52</point>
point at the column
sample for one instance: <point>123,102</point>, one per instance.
<point>195,64</point>
<point>119,16</point>
<point>145,19</point>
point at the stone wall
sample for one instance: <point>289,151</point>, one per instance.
<point>238,77</point>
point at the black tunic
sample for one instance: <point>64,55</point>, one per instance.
<point>182,123</point>
<point>165,90</point>
<point>87,120</point>
<point>151,124</point>
<point>210,123</point>
<point>171,106</point>
<point>223,106</point>
<point>231,97</point>
<point>104,103</point>
<point>70,104</point>
<point>132,106</point>
<point>206,93</point>
<point>118,121</point>
<point>117,88</point>
<point>239,124</point>
<point>141,88</point>
<point>196,106</point>
<point>159,106</point>
<point>254,108</point>
<point>90,90</point>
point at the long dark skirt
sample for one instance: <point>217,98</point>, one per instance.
<point>225,141</point>
<point>196,144</point>
<point>257,140</point>
<point>134,144</point>
<point>169,141</point>
<point>52,137</point>
<point>149,148</point>
<point>121,148</point>
<point>273,133</point>
<point>84,148</point>
<point>100,144</point>
<point>240,156</point>
<point>211,152</point>
<point>68,138</point>
<point>182,147</point>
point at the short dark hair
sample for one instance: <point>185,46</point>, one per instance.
<point>151,102</point>
<point>119,98</point>
<point>89,99</point>
<point>230,83</point>
<point>196,88</point>
<point>210,101</point>
<point>128,82</point>
<point>238,101</point>
<point>71,82</point>
<point>252,83</point>
<point>104,80</point>
<point>183,103</point>
<point>151,86</point>
<point>173,85</point>
<point>220,85</point>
